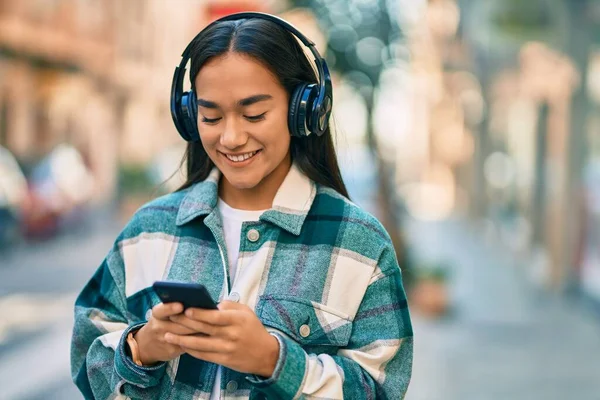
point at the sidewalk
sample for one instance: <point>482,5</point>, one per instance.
<point>51,265</point>
<point>38,286</point>
<point>505,338</point>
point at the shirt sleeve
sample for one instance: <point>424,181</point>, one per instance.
<point>376,364</point>
<point>100,366</point>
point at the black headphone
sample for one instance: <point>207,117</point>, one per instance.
<point>310,105</point>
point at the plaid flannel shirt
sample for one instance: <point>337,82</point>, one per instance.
<point>319,272</point>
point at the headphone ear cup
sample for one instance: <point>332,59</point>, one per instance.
<point>189,117</point>
<point>320,113</point>
<point>300,104</point>
<point>293,110</point>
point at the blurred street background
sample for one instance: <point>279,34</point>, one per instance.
<point>470,128</point>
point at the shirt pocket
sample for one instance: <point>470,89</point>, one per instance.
<point>307,322</point>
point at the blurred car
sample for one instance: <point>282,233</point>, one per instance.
<point>59,186</point>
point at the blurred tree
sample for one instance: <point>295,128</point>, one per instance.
<point>542,20</point>
<point>532,18</point>
<point>498,30</point>
<point>579,47</point>
<point>360,34</point>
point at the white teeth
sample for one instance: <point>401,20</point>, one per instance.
<point>242,157</point>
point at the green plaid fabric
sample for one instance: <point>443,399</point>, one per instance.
<point>322,277</point>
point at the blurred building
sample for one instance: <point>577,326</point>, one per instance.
<point>55,69</point>
<point>496,120</point>
<point>95,74</point>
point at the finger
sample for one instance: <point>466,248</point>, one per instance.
<point>212,317</point>
<point>176,328</point>
<point>205,344</point>
<point>163,311</point>
<point>195,326</point>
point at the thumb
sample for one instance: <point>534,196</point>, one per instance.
<point>163,311</point>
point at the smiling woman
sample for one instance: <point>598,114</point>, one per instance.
<point>245,74</point>
<point>243,128</point>
<point>311,300</point>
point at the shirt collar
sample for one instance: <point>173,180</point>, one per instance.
<point>290,206</point>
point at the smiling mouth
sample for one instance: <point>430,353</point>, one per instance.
<point>242,157</point>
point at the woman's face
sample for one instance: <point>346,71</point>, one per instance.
<point>242,120</point>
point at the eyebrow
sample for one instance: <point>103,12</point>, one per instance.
<point>242,103</point>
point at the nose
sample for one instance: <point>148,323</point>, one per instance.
<point>233,136</point>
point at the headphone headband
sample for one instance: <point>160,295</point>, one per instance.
<point>257,15</point>
<point>321,105</point>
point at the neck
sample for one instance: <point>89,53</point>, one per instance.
<point>259,197</point>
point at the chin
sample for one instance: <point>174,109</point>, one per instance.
<point>242,183</point>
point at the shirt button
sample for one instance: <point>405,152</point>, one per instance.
<point>234,296</point>
<point>253,235</point>
<point>148,314</point>
<point>232,386</point>
<point>304,331</point>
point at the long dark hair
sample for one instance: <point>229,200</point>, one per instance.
<point>278,50</point>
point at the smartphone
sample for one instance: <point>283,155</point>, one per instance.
<point>191,295</point>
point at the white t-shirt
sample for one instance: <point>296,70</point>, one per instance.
<point>233,219</point>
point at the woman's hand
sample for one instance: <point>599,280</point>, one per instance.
<point>232,336</point>
<point>151,337</point>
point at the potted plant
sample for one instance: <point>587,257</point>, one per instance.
<point>429,291</point>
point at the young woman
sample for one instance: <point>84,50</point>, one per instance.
<point>311,302</point>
